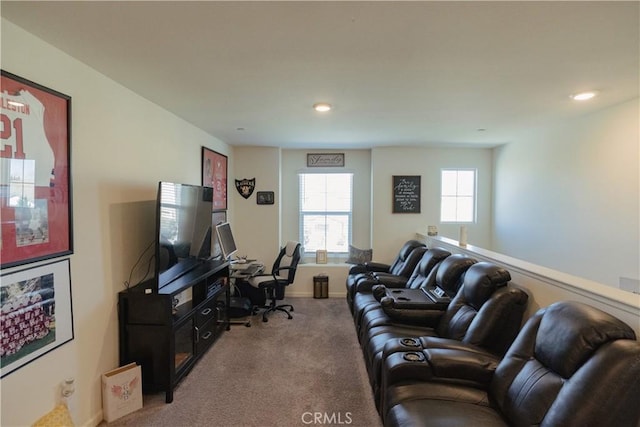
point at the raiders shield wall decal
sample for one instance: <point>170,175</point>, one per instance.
<point>245,186</point>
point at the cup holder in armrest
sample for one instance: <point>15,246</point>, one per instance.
<point>403,299</point>
<point>410,342</point>
<point>413,357</point>
<point>396,291</point>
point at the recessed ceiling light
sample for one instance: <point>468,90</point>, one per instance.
<point>322,107</point>
<point>583,96</point>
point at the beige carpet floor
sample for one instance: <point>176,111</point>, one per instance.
<point>307,371</point>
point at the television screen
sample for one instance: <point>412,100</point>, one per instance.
<point>226,240</point>
<point>184,229</point>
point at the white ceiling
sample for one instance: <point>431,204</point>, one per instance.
<point>408,73</point>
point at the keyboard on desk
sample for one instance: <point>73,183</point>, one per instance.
<point>253,269</point>
<point>247,270</point>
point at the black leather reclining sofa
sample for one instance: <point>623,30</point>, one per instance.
<point>444,347</point>
<point>572,365</point>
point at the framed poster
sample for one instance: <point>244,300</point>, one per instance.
<point>35,182</point>
<point>321,256</point>
<point>265,198</point>
<point>214,175</point>
<point>406,194</point>
<point>36,313</point>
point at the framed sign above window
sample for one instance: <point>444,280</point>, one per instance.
<point>323,160</point>
<point>35,187</point>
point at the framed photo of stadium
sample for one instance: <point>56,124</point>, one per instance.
<point>214,175</point>
<point>35,177</point>
<point>36,313</point>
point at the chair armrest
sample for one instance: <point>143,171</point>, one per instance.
<point>365,285</point>
<point>435,342</point>
<point>459,364</point>
<point>419,314</point>
<point>392,281</point>
<point>440,365</point>
<point>377,266</point>
<point>357,269</point>
<point>279,269</point>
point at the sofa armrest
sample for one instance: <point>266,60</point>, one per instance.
<point>357,269</point>
<point>391,281</point>
<point>418,314</point>
<point>435,342</point>
<point>439,365</point>
<point>459,364</point>
<point>365,285</point>
<point>377,266</point>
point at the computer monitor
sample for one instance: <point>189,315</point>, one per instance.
<point>225,239</point>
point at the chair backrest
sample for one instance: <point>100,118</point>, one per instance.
<point>430,259</point>
<point>406,266</point>
<point>449,274</point>
<point>399,264</point>
<point>485,311</point>
<point>571,365</point>
<point>289,256</point>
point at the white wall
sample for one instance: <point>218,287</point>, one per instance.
<point>567,196</point>
<point>122,145</point>
<point>544,286</point>
<point>256,228</point>
<point>390,230</point>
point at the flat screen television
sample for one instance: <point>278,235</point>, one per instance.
<point>226,240</point>
<point>183,229</point>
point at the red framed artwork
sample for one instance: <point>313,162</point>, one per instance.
<point>214,175</point>
<point>35,178</point>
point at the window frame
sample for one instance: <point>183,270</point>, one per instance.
<point>474,197</point>
<point>335,254</point>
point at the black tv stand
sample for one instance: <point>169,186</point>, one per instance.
<point>168,341</point>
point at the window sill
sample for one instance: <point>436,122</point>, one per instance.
<point>327,265</point>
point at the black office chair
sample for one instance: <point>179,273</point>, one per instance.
<point>281,276</point>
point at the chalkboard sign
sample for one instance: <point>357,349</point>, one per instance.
<point>406,194</point>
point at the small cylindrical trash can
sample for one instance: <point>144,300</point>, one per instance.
<point>320,287</point>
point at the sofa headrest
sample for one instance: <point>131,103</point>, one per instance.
<point>408,247</point>
<point>480,282</point>
<point>570,332</point>
<point>451,270</point>
<point>430,259</point>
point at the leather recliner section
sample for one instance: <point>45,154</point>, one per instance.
<point>570,365</point>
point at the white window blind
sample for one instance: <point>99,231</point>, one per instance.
<point>325,211</point>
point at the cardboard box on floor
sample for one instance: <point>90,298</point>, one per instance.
<point>121,391</point>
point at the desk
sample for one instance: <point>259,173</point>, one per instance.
<point>242,271</point>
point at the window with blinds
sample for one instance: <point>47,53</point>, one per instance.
<point>326,211</point>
